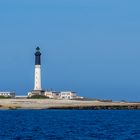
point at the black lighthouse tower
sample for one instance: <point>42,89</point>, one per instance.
<point>37,56</point>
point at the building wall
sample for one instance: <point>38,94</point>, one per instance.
<point>8,94</point>
<point>49,94</point>
<point>52,94</point>
<point>68,95</point>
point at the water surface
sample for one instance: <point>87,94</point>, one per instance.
<point>69,124</point>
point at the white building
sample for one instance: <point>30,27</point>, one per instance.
<point>68,95</point>
<point>52,94</point>
<point>8,94</point>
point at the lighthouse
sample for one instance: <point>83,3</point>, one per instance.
<point>37,79</point>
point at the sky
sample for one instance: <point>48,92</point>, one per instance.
<point>88,46</point>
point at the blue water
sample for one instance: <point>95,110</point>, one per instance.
<point>69,125</point>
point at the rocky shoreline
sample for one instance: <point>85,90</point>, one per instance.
<point>65,104</point>
<point>114,107</point>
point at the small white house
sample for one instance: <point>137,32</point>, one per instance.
<point>52,94</point>
<point>8,94</point>
<point>67,95</point>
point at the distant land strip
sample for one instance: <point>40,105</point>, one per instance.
<point>66,104</point>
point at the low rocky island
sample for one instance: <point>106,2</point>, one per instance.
<point>66,104</point>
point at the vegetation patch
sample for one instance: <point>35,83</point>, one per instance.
<point>38,97</point>
<point>3,97</point>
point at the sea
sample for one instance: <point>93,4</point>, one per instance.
<point>69,125</point>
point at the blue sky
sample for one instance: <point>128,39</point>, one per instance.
<point>89,46</point>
